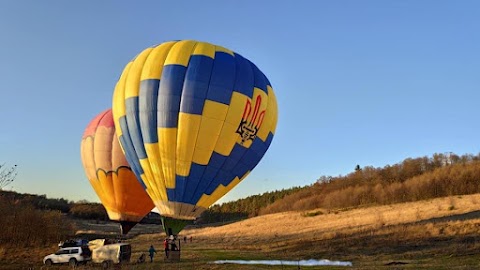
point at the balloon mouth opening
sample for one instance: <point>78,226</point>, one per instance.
<point>173,226</point>
<point>126,226</point>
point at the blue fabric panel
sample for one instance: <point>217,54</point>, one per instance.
<point>228,179</point>
<point>207,177</point>
<point>204,179</point>
<point>200,177</point>
<point>176,194</point>
<point>222,79</point>
<point>133,125</point>
<point>130,153</point>
<point>215,183</point>
<point>225,174</point>
<point>171,194</point>
<point>190,188</point>
<point>260,79</point>
<point>248,162</point>
<point>216,160</point>
<point>255,153</point>
<point>240,169</point>
<point>237,152</point>
<point>147,100</point>
<point>268,82</point>
<point>196,172</point>
<point>196,84</point>
<point>244,76</point>
<point>169,95</point>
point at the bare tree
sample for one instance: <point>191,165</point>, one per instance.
<point>7,175</point>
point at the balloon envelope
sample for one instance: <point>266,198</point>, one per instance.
<point>193,119</point>
<point>110,175</point>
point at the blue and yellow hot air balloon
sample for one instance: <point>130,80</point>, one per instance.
<point>193,119</point>
<point>110,175</point>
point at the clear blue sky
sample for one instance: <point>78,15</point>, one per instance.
<point>357,82</point>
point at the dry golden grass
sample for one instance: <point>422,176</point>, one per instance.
<point>295,225</point>
<point>371,237</point>
<point>435,234</point>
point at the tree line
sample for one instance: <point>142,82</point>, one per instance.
<point>412,179</point>
<point>442,174</point>
<point>81,209</point>
<point>24,225</point>
<point>244,208</point>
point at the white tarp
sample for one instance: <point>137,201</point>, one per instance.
<point>278,262</point>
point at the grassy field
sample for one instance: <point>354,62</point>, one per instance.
<point>436,234</point>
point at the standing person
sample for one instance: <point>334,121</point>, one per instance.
<point>165,246</point>
<point>151,252</point>
<point>185,239</point>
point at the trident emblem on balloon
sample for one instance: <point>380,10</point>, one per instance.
<point>193,120</point>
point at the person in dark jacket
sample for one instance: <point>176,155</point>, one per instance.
<point>151,252</point>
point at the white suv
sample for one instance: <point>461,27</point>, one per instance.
<point>70,255</point>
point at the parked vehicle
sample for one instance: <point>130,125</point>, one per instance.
<point>70,255</point>
<point>111,254</point>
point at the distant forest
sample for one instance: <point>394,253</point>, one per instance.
<point>412,179</point>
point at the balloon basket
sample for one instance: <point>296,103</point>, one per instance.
<point>173,256</point>
<point>174,249</point>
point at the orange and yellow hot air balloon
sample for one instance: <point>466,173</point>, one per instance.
<point>108,171</point>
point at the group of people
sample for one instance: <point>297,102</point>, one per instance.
<point>168,245</point>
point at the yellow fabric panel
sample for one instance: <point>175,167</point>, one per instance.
<point>227,139</point>
<point>236,108</point>
<point>180,53</point>
<point>203,48</point>
<point>266,106</point>
<point>213,115</point>
<point>158,189</point>
<point>107,195</point>
<point>215,110</point>
<point>274,111</point>
<point>132,84</point>
<point>153,67</point>
<point>207,138</point>
<point>202,156</point>
<point>150,191</point>
<point>148,175</point>
<point>118,102</point>
<point>203,202</point>
<point>188,127</point>
<point>228,135</point>
<point>160,207</point>
<point>167,141</point>
<point>97,187</point>
<point>223,49</point>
